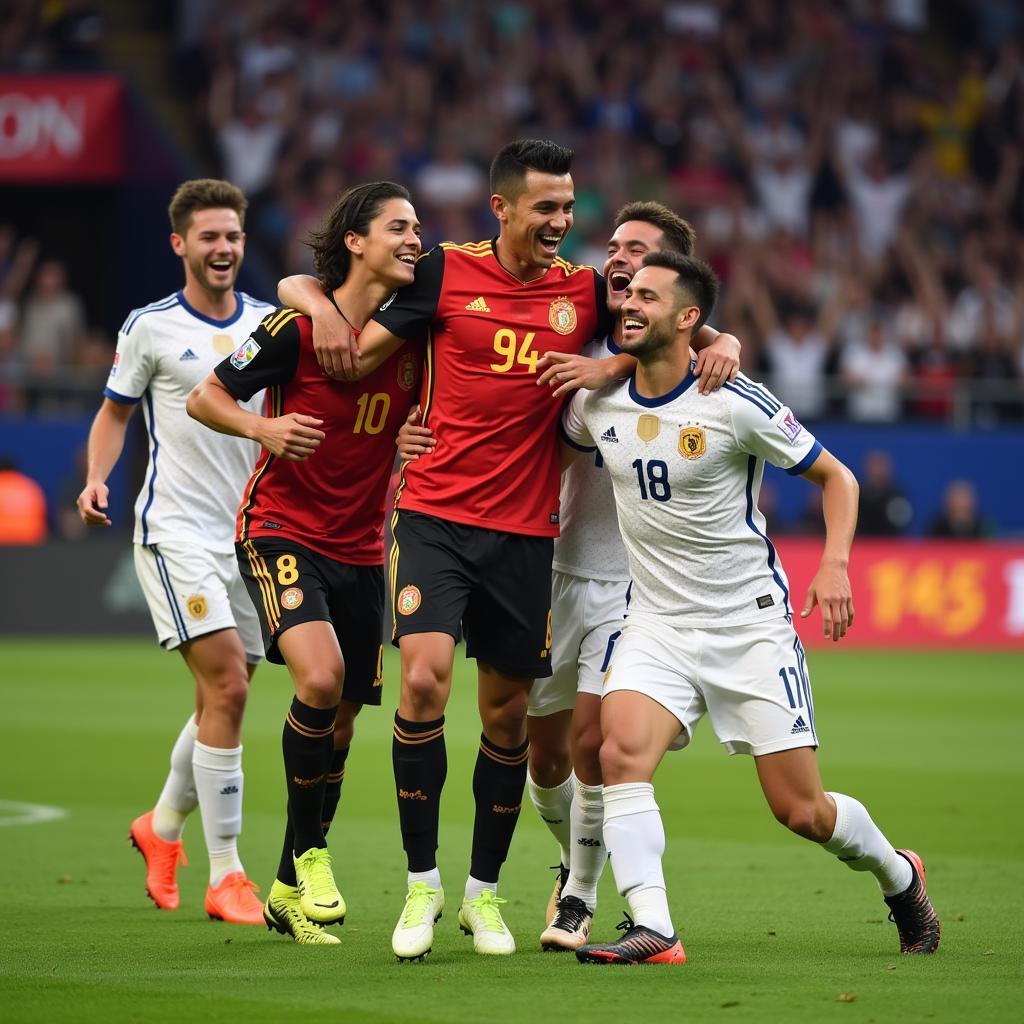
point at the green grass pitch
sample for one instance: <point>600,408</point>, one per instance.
<point>775,930</point>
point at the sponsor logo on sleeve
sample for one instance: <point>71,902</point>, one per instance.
<point>244,355</point>
<point>115,364</point>
<point>790,426</point>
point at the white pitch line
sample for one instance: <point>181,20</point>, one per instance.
<point>14,813</point>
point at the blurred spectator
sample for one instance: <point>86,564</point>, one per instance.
<point>873,372</point>
<point>884,510</point>
<point>22,507</point>
<point>959,518</point>
<point>52,322</point>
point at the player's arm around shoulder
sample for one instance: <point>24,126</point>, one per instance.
<point>830,589</point>
<point>574,434</point>
<point>267,358</point>
<point>718,358</point>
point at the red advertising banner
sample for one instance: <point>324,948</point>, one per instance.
<point>922,594</point>
<point>61,128</point>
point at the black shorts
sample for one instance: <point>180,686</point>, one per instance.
<point>497,585</point>
<point>289,584</point>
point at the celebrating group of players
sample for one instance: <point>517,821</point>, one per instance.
<point>608,607</point>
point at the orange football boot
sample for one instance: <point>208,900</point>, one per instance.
<point>161,859</point>
<point>233,900</point>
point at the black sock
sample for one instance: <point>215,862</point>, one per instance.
<point>498,783</point>
<point>332,790</point>
<point>332,793</point>
<point>421,764</point>
<point>308,743</point>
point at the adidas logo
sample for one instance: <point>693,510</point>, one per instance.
<point>552,821</point>
<point>799,726</point>
<point>610,436</point>
<point>479,306</point>
<point>587,841</point>
<point>228,790</point>
<point>186,355</point>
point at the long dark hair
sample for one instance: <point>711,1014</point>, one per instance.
<point>353,211</point>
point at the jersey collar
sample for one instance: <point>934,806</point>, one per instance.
<point>651,403</point>
<point>239,307</point>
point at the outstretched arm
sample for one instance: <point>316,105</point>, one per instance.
<point>830,589</point>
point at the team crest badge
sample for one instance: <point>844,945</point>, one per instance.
<point>197,606</point>
<point>648,427</point>
<point>291,599</point>
<point>407,371</point>
<point>409,599</point>
<point>244,355</point>
<point>223,344</point>
<point>692,443</point>
<point>562,315</point>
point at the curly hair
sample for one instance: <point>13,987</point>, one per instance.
<point>353,211</point>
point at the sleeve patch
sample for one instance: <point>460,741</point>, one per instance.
<point>245,354</point>
<point>791,426</point>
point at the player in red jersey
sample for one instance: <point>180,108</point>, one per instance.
<point>310,527</point>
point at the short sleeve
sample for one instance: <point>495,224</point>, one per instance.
<point>134,363</point>
<point>411,310</point>
<point>573,428</point>
<point>768,429</point>
<point>269,356</point>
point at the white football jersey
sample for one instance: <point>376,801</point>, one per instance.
<point>686,469</point>
<point>589,544</point>
<point>195,478</point>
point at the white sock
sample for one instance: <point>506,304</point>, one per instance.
<point>554,806</point>
<point>474,887</point>
<point>635,838</point>
<point>178,798</point>
<point>431,877</point>
<point>588,855</point>
<point>860,845</point>
<point>218,775</point>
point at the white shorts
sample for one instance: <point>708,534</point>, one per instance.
<point>587,617</point>
<point>191,592</point>
<point>751,681</point>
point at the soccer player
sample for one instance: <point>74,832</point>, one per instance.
<point>184,536</point>
<point>710,626</point>
<point>310,529</point>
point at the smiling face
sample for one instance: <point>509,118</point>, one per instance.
<point>627,247</point>
<point>654,312</point>
<point>212,247</point>
<point>391,245</point>
<point>534,224</point>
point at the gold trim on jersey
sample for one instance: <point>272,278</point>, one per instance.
<point>571,268</point>
<point>477,249</point>
<point>275,396</point>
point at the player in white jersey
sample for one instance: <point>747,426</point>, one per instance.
<point>184,535</point>
<point>710,627</point>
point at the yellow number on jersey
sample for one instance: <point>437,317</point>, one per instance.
<point>506,343</point>
<point>373,412</point>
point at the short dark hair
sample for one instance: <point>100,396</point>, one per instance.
<point>694,278</point>
<point>509,167</point>
<point>204,194</point>
<point>353,211</point>
<point>679,234</point>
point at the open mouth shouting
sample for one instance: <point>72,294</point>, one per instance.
<point>549,243</point>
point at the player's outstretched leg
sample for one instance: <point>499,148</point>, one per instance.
<point>635,838</point>
<point>283,913</point>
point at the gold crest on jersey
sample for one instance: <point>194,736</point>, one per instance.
<point>223,344</point>
<point>197,606</point>
<point>562,315</point>
<point>648,427</point>
<point>407,371</point>
<point>692,443</point>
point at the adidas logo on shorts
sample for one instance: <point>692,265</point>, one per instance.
<point>799,726</point>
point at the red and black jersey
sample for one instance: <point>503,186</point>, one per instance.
<point>496,461</point>
<point>333,502</point>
